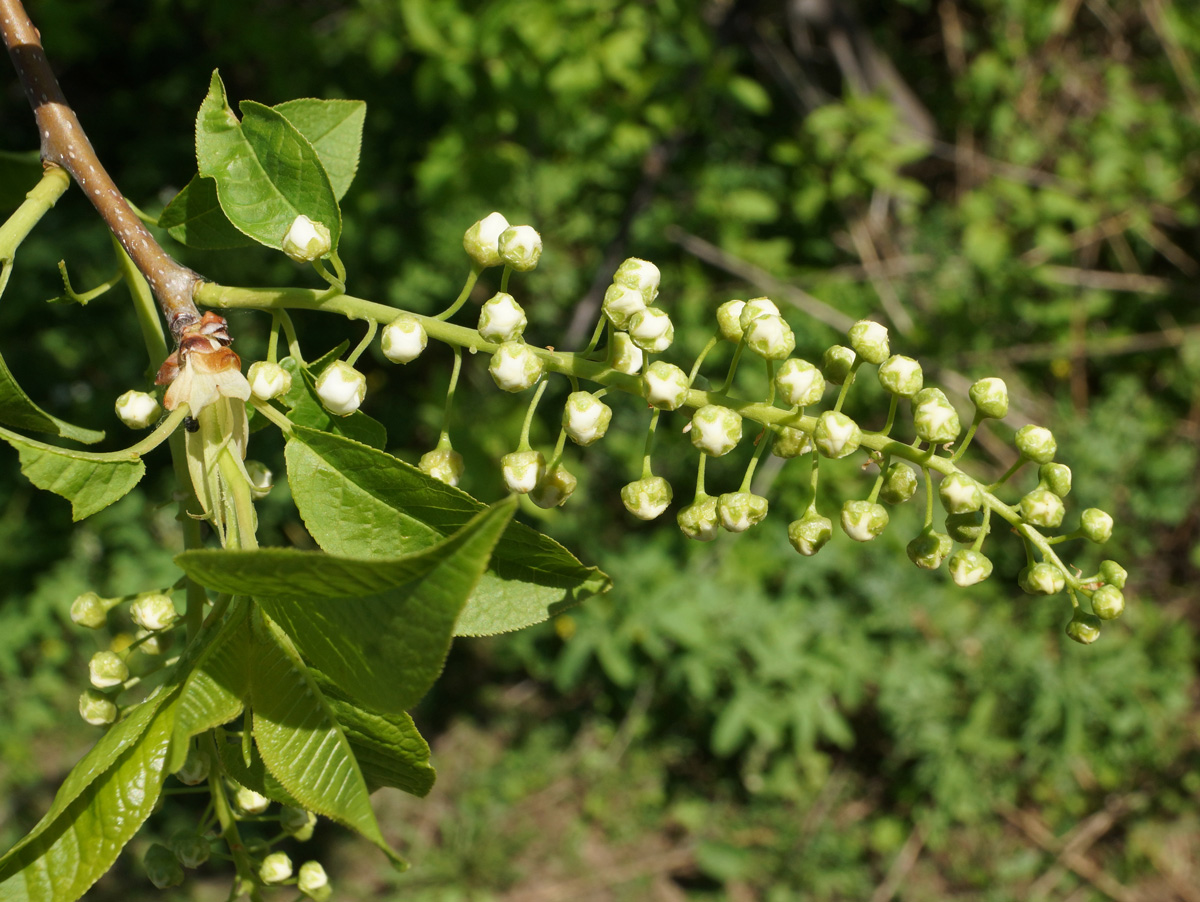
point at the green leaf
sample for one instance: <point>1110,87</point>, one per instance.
<point>18,411</point>
<point>334,129</point>
<point>388,747</point>
<point>363,502</point>
<point>301,743</point>
<point>307,409</point>
<point>379,629</point>
<point>100,807</point>
<point>254,775</point>
<point>266,173</point>
<point>89,484</point>
<point>194,217</point>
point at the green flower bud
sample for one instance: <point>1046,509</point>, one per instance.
<point>313,881</point>
<point>306,240</point>
<point>89,611</point>
<point>268,380</point>
<point>901,376</point>
<point>968,567</point>
<point>1113,574</point>
<point>836,435</point>
<point>665,385</point>
<point>523,470</point>
<point>1084,628</point>
<point>870,341</point>
<point>1042,579</point>
<point>585,418</point>
<point>810,533</point>
<point>934,417</point>
<point>864,520</point>
<point>262,480</point>
<point>443,464</point>
<point>1036,443</point>
<point>106,669</point>
<point>137,409</point>
<point>899,484</point>
<point>520,247</point>
<point>837,363</point>
<point>297,823</point>
<point>501,318</point>
<point>195,768</point>
<point>482,240</point>
<point>1043,508</point>
<point>799,382</point>
<point>753,309</point>
<point>341,388</point>
<point>1056,478</point>
<point>626,357</point>
<point>651,330</point>
<point>403,339</point>
<point>716,430</point>
<point>621,304</point>
<point>990,397</point>
<point>729,320</point>
<point>964,528</point>
<point>1108,602</point>
<point>929,549</point>
<point>1096,525</point>
<point>153,611</point>
<point>190,850</point>
<point>515,367</point>
<point>741,510</point>
<point>250,802</point>
<point>96,708</point>
<point>640,275</point>
<point>960,494</point>
<point>555,488</point>
<point>154,643</point>
<point>699,520</point>
<point>647,498</point>
<point>770,337</point>
<point>790,442</point>
<point>162,867</point>
<point>275,868</point>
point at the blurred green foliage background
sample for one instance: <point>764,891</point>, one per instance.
<point>1009,184</point>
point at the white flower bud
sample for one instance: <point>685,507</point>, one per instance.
<point>403,339</point>
<point>934,417</point>
<point>341,388</point>
<point>523,470</point>
<point>626,357</point>
<point>700,520</point>
<point>276,868</point>
<point>621,303</point>
<point>729,320</point>
<point>1042,508</point>
<point>250,802</point>
<point>520,247</point>
<point>190,850</point>
<point>1113,573</point>
<point>555,488</point>
<point>810,534</point>
<point>1108,602</point>
<point>262,480</point>
<point>863,520</point>
<point>770,337</point>
<point>665,385</point>
<point>153,611</point>
<point>741,510</point>
<point>990,397</point>
<point>791,443</point>
<point>306,240</point>
<point>837,364</point>
<point>1084,628</point>
<point>969,567</point>
<point>899,483</point>
<point>482,240</point>
<point>297,823</point>
<point>195,768</point>
<point>960,494</point>
<point>268,380</point>
<point>153,643</point>
<point>1056,478</point>
<point>716,430</point>
<point>799,382</point>
<point>640,275</point>
<point>836,435</point>
<point>106,669</point>
<point>1042,579</point>
<point>647,498</point>
<point>753,309</point>
<point>901,376</point>
<point>89,610</point>
<point>443,464</point>
<point>870,341</point>
<point>585,417</point>
<point>1096,525</point>
<point>137,409</point>
<point>501,318</point>
<point>96,708</point>
<point>515,367</point>
<point>1036,443</point>
<point>162,867</point>
<point>313,881</point>
<point>651,330</point>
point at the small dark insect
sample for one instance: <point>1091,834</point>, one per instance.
<point>190,424</point>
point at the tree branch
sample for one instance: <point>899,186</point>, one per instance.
<point>65,144</point>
